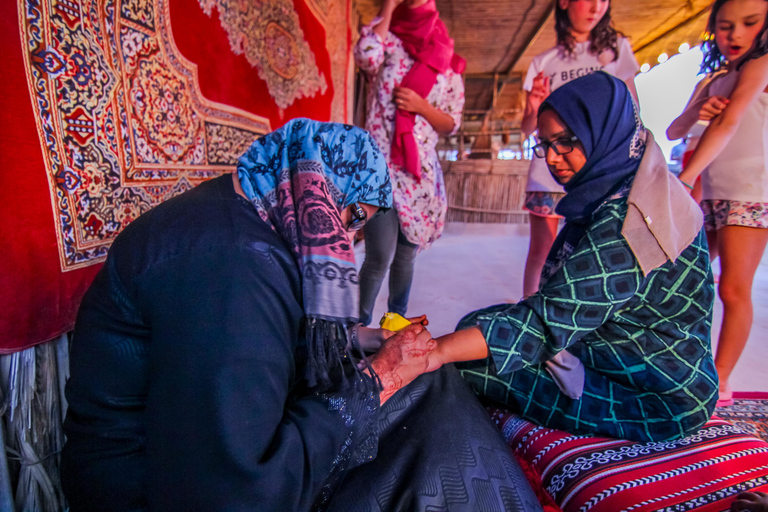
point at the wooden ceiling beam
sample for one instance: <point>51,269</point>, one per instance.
<point>503,79</point>
<point>507,69</point>
<point>507,62</point>
<point>672,30</point>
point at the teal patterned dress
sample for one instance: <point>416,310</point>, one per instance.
<point>644,340</point>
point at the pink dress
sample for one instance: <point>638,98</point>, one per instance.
<point>421,205</point>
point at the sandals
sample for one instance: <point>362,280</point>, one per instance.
<point>726,397</point>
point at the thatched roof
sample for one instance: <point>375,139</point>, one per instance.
<point>500,37</point>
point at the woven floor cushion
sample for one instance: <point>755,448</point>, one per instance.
<point>585,473</point>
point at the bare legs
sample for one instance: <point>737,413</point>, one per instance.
<point>740,249</point>
<point>543,233</point>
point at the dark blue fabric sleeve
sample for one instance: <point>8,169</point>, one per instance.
<point>225,431</point>
<point>183,391</point>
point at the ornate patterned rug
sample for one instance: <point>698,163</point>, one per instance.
<point>749,412</point>
<point>110,107</point>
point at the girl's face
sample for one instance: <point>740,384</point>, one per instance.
<point>584,15</point>
<point>737,24</point>
<point>563,167</point>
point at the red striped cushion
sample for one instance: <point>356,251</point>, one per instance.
<point>703,472</point>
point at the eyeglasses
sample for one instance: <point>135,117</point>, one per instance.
<point>559,146</point>
<point>359,218</point>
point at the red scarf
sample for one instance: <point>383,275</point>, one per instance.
<point>426,40</point>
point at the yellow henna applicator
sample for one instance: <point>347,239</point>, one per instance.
<point>394,322</point>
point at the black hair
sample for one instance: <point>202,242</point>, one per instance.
<point>602,37</point>
<point>713,59</point>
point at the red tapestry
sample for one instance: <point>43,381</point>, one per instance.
<point>110,107</point>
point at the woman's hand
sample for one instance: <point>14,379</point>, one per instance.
<point>407,99</point>
<point>402,358</point>
<point>751,501</point>
<point>713,107</point>
<point>371,339</point>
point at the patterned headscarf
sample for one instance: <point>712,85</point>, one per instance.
<point>600,111</point>
<point>299,178</point>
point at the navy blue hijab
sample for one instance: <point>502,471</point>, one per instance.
<point>600,111</point>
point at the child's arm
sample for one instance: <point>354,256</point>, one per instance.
<point>632,89</point>
<point>680,127</point>
<point>369,52</point>
<point>387,8</point>
<point>752,82</point>
<point>533,100</point>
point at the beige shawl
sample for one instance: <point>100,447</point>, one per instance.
<point>662,219</point>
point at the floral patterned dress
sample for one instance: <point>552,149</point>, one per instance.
<point>421,205</point>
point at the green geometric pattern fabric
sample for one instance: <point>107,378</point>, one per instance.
<point>644,340</point>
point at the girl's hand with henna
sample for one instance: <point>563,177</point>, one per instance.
<point>402,358</point>
<point>371,338</point>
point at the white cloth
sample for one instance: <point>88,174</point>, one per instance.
<point>662,219</point>
<point>568,372</point>
<point>740,171</point>
<point>562,69</point>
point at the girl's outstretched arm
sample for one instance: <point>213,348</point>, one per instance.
<point>752,82</point>
<point>464,345</point>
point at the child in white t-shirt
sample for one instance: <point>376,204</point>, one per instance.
<point>586,42</point>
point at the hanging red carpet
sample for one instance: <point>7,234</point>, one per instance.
<point>109,107</point>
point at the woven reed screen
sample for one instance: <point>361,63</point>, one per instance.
<point>490,191</point>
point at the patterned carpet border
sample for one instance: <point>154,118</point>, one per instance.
<point>749,412</point>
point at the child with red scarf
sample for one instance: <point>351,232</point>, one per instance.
<point>416,95</point>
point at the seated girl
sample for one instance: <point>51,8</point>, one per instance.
<point>617,340</point>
